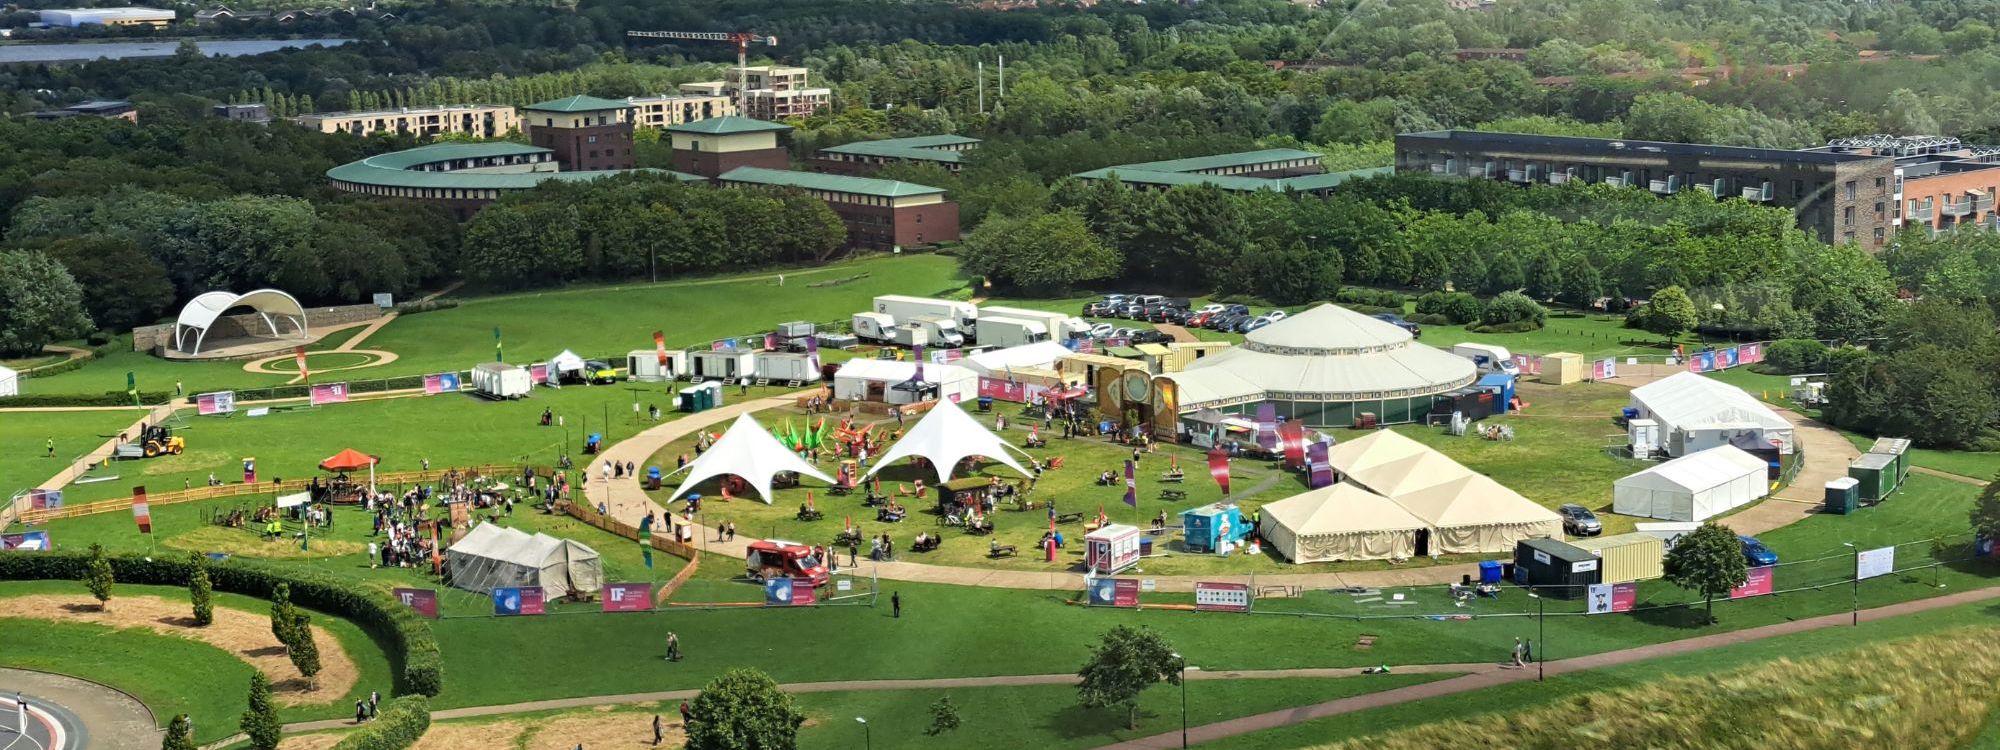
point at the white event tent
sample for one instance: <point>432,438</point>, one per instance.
<point>492,557</point>
<point>1466,512</point>
<point>945,436</point>
<point>567,361</point>
<point>747,451</point>
<point>1694,487</point>
<point>1340,521</point>
<point>1697,412</point>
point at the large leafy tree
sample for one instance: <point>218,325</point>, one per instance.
<point>40,303</point>
<point>1046,252</point>
<point>743,709</point>
<point>1708,561</point>
<point>1986,511</point>
<point>1669,313</point>
<point>122,285</point>
<point>1122,666</point>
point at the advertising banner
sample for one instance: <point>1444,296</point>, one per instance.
<point>1218,467</point>
<point>538,373</point>
<point>946,356</point>
<point>25,541</point>
<point>40,499</point>
<point>1725,358</point>
<point>1293,436</point>
<point>1210,596</point>
<point>1114,592</point>
<point>331,393</point>
<point>1875,562</point>
<point>1529,364</point>
<point>1701,362</point>
<point>250,470</point>
<point>1612,597</point>
<point>628,597</point>
<point>1267,426</point>
<point>786,592</point>
<point>1604,369</point>
<point>1758,583</point>
<point>424,601</point>
<point>1002,390</point>
<point>219,402</point>
<point>444,382</point>
<point>526,600</point>
<point>1084,346</point>
<point>1750,354</point>
<point>1319,469</point>
<point>1132,483</point>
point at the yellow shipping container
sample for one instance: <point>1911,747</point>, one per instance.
<point>1562,368</point>
<point>1627,557</point>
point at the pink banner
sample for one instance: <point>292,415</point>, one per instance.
<point>1604,369</point>
<point>331,393</point>
<point>531,600</point>
<point>1292,435</point>
<point>424,601</point>
<point>219,402</point>
<point>628,597</point>
<point>803,593</point>
<point>1757,583</point>
<point>1218,467</point>
<point>1529,364</point>
<point>1002,390</point>
<point>1750,354</point>
<point>538,373</point>
<point>1319,469</point>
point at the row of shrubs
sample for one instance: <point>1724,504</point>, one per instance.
<point>404,634</point>
<point>108,398</point>
<point>1507,312</point>
<point>1361,297</point>
<point>400,726</point>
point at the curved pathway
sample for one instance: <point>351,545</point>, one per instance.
<point>109,718</point>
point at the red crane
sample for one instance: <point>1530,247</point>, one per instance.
<point>742,40</point>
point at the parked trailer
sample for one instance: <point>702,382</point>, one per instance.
<point>722,364</point>
<point>996,331</point>
<point>1488,357</point>
<point>903,308</point>
<point>1061,327</point>
<point>499,380</point>
<point>785,366</point>
<point>644,365</point>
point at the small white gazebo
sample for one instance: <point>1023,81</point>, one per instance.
<point>747,451</point>
<point>945,436</point>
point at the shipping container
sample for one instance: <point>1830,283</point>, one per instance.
<point>1877,474</point>
<point>1842,495</point>
<point>1556,569</point>
<point>1898,447</point>
<point>1562,368</point>
<point>1627,557</point>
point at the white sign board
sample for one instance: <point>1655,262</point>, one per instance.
<point>843,585</point>
<point>385,301</point>
<point>1583,566</point>
<point>1875,562</point>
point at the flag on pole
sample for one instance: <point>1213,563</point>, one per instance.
<point>660,347</point>
<point>132,387</point>
<point>646,539</point>
<point>141,511</point>
<point>1131,484</point>
<point>437,558</point>
<point>496,344</point>
<point>1218,467</point>
<point>299,356</point>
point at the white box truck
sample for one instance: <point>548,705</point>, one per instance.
<point>939,331</point>
<point>874,327</point>
<point>1060,327</point>
<point>1489,358</point>
<point>903,308</point>
<point>499,380</point>
<point>1008,331</point>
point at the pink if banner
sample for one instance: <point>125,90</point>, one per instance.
<point>1529,364</point>
<point>1003,390</point>
<point>538,373</point>
<point>1750,354</point>
<point>628,597</point>
<point>531,600</point>
<point>331,393</point>
<point>1293,436</point>
<point>1604,369</point>
<point>424,601</point>
<point>1756,583</point>
<point>219,402</point>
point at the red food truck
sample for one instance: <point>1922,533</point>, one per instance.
<point>773,558</point>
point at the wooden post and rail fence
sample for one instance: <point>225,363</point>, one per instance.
<point>244,489</point>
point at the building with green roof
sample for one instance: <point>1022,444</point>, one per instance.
<point>866,157</point>
<point>586,133</point>
<point>579,103</point>
<point>461,176</point>
<point>879,214</point>
<point>1276,169</point>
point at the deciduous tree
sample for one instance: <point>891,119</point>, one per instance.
<point>743,709</point>
<point>1708,561</point>
<point>1122,666</point>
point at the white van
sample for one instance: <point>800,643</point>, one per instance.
<point>1489,358</point>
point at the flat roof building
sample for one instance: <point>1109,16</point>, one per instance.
<point>879,214</point>
<point>1279,169</point>
<point>126,16</point>
<point>477,120</point>
<point>256,113</point>
<point>110,109</point>
<point>678,109</point>
<point>585,132</point>
<point>1941,183</point>
<point>770,92</point>
<point>865,157</point>
<point>461,176</point>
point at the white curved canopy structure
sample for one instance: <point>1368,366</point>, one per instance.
<point>747,451</point>
<point>208,307</point>
<point>945,436</point>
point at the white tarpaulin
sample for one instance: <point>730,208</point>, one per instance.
<point>945,436</point>
<point>295,499</point>
<point>491,557</point>
<point>747,451</point>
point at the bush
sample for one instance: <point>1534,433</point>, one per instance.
<point>1353,296</point>
<point>98,338</point>
<point>1519,326</point>
<point>1790,356</point>
<point>1423,319</point>
<point>1370,309</point>
<point>108,398</point>
<point>412,308</point>
<point>1514,307</point>
<point>404,634</point>
<point>401,724</point>
<point>1458,308</point>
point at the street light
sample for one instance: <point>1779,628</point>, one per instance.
<point>1184,668</point>
<point>867,735</point>
<point>1541,633</point>
<point>1856,608</point>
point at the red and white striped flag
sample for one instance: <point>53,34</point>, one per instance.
<point>141,511</point>
<point>299,355</point>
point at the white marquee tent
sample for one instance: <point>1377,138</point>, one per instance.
<point>10,382</point>
<point>997,363</point>
<point>876,380</point>
<point>567,361</point>
<point>1693,487</point>
<point>1466,512</point>
<point>945,436</point>
<point>201,313</point>
<point>747,451</point>
<point>1340,521</point>
<point>1697,413</point>
<point>492,557</point>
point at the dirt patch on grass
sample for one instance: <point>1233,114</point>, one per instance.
<point>1909,694</point>
<point>628,727</point>
<point>472,735</point>
<point>244,634</point>
<point>247,543</point>
<point>311,741</point>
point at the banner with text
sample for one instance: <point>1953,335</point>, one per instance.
<point>1757,583</point>
<point>1875,562</point>
<point>787,592</point>
<point>1114,592</point>
<point>37,541</point>
<point>526,600</point>
<point>219,402</point>
<point>331,393</point>
<point>1210,596</point>
<point>1604,369</point>
<point>444,382</point>
<point>1612,597</point>
<point>628,597</point>
<point>1529,364</point>
<point>424,601</point>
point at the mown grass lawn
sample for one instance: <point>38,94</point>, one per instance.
<point>24,437</point>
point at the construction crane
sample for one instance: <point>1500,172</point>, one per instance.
<point>742,41</point>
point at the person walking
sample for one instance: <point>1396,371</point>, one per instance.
<point>52,448</point>
<point>373,551</point>
<point>896,604</point>
<point>658,735</point>
<point>360,711</point>
<point>687,716</point>
<point>1517,662</point>
<point>674,647</point>
<point>374,703</point>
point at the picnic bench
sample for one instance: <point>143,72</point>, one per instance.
<point>810,514</point>
<point>1069,517</point>
<point>1173,494</point>
<point>1173,476</point>
<point>1003,550</point>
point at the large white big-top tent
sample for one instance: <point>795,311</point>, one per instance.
<point>749,452</point>
<point>945,436</point>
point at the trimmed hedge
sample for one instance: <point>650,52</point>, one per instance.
<point>400,726</point>
<point>404,634</point>
<point>108,398</point>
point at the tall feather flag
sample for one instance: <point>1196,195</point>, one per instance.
<point>142,512</point>
<point>1218,467</point>
<point>1292,435</point>
<point>496,345</point>
<point>132,387</point>
<point>1131,483</point>
<point>299,356</point>
<point>646,539</point>
<point>660,347</point>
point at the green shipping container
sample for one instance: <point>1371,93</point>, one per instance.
<point>1898,447</point>
<point>1877,474</point>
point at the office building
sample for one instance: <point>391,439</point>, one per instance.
<point>770,92</point>
<point>256,113</point>
<point>477,120</point>
<point>459,176</point>
<point>127,16</point>
<point>110,109</point>
<point>585,132</point>
<point>879,214</point>
<point>865,157</point>
<point>668,110</point>
<point>719,144</point>
<point>1940,183</point>
<point>1279,169</point>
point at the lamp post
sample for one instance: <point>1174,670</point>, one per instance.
<point>867,735</point>
<point>1856,607</point>
<point>1541,633</point>
<point>1184,726</point>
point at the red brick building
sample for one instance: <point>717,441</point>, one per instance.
<point>585,132</point>
<point>719,144</point>
<point>879,214</point>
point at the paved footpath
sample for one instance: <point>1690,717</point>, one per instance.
<point>1496,677</point>
<point>111,719</point>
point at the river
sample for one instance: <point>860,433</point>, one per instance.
<point>78,51</point>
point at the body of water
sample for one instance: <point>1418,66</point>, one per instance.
<point>75,51</point>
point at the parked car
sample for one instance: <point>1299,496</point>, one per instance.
<point>1226,321</point>
<point>1242,325</point>
<point>1237,309</point>
<point>1096,309</point>
<point>1132,310</point>
<point>1198,318</point>
<point>1151,337</point>
<point>1416,331</point>
<point>1755,553</point>
<point>598,371</point>
<point>1102,330</point>
<point>1256,323</point>
<point>1124,333</point>
<point>1212,308</point>
<point>1274,315</point>
<point>1579,521</point>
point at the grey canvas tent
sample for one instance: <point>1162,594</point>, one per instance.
<point>492,557</point>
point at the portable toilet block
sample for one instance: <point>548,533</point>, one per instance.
<point>1206,529</point>
<point>1644,437</point>
<point>1877,474</point>
<point>1111,549</point>
<point>1501,385</point>
<point>1556,569</point>
<point>1842,495</point>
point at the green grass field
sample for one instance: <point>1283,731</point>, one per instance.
<point>24,442</point>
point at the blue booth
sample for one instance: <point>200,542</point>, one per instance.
<point>1501,385</point>
<point>1207,528</point>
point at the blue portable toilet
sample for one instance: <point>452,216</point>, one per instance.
<point>1501,385</point>
<point>1205,529</point>
<point>1489,571</point>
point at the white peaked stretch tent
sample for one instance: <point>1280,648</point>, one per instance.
<point>1693,487</point>
<point>945,436</point>
<point>1466,511</point>
<point>491,557</point>
<point>201,313</point>
<point>1697,413</point>
<point>747,451</point>
<point>1340,521</point>
<point>567,361</point>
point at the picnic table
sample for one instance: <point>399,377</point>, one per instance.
<point>1173,494</point>
<point>1003,550</point>
<point>1069,517</point>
